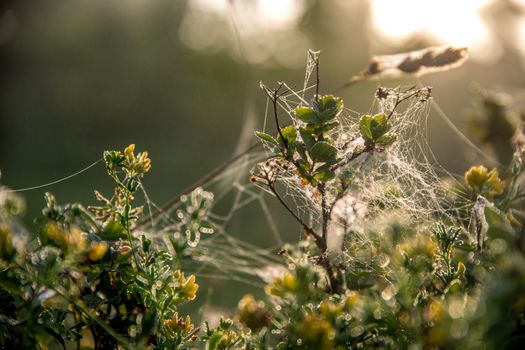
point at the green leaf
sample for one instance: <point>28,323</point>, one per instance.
<point>324,174</point>
<point>327,107</point>
<point>146,243</point>
<point>372,128</point>
<point>265,137</point>
<point>386,140</point>
<point>323,152</point>
<point>112,231</point>
<point>364,127</point>
<point>307,137</point>
<point>301,149</point>
<point>379,125</point>
<point>213,342</point>
<point>303,167</point>
<point>307,115</point>
<point>329,126</point>
<point>289,134</point>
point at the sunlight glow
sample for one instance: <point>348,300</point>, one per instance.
<point>266,29</point>
<point>449,21</point>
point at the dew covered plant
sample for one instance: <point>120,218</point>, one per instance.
<point>391,255</point>
<point>88,279</point>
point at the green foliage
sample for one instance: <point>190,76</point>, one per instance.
<point>424,285</point>
<point>374,129</point>
<point>88,279</point>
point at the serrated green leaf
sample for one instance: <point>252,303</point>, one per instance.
<point>265,137</point>
<point>327,107</point>
<point>323,152</point>
<point>307,115</point>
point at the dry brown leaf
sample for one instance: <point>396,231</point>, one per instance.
<point>413,63</point>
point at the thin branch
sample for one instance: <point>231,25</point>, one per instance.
<point>274,96</point>
<point>400,100</point>
<point>307,228</point>
<point>316,60</point>
<point>343,162</point>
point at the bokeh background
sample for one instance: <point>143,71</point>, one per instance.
<point>181,80</point>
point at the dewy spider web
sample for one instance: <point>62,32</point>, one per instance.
<point>401,178</point>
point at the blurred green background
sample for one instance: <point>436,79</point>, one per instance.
<point>181,80</point>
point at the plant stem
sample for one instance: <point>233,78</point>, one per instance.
<point>326,210</point>
<point>274,96</point>
<point>320,240</point>
<point>307,228</point>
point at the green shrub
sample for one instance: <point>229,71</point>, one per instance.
<point>418,263</point>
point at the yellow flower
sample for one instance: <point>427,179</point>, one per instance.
<point>461,268</point>
<point>136,166</point>
<point>434,311</point>
<point>253,313</point>
<point>187,288</point>
<point>225,339</point>
<point>280,286</point>
<point>74,240</point>
<point>484,182</point>
<point>330,310</point>
<point>128,151</point>
<point>97,250</point>
<point>315,333</point>
<point>351,299</point>
<point>178,325</point>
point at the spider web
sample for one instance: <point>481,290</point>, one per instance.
<point>403,178</point>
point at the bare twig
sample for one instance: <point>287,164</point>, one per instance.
<point>316,60</point>
<point>307,228</point>
<point>274,97</point>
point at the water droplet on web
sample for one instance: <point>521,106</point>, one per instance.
<point>387,293</point>
<point>193,242</point>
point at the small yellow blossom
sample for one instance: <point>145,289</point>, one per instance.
<point>178,325</point>
<point>280,286</point>
<point>187,288</point>
<point>434,311</point>
<point>351,299</point>
<point>461,268</point>
<point>129,151</point>
<point>136,165</point>
<point>484,182</point>
<point>74,239</point>
<point>97,250</point>
<point>252,313</point>
<point>330,310</point>
<point>226,340</point>
<point>315,333</point>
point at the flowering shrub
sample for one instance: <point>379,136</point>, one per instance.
<point>382,264</point>
<point>87,278</point>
